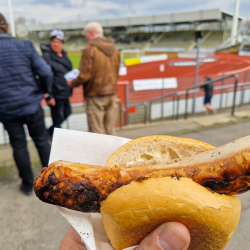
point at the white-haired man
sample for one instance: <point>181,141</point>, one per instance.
<point>99,71</point>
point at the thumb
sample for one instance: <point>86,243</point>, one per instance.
<point>168,236</point>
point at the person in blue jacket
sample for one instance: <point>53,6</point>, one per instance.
<point>20,98</point>
<point>208,90</point>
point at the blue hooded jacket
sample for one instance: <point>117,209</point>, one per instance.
<point>20,92</point>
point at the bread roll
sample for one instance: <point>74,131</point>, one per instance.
<point>155,149</point>
<point>133,211</point>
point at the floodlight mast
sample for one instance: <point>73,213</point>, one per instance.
<point>12,24</point>
<point>235,22</point>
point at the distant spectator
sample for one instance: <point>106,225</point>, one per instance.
<point>60,64</point>
<point>208,89</point>
<point>99,71</point>
<point>20,98</point>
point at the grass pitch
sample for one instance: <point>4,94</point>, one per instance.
<point>76,57</point>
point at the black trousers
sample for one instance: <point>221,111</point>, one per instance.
<point>38,133</point>
<point>59,113</point>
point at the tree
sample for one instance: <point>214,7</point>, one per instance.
<point>246,26</point>
<point>20,20</point>
<point>21,30</point>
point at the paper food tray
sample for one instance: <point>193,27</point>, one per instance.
<point>93,149</point>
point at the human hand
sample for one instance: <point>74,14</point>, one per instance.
<point>51,102</point>
<point>168,236</point>
<point>69,82</point>
<point>72,241</point>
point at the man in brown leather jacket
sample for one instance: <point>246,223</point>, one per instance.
<point>99,71</point>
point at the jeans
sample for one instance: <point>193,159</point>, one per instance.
<point>38,133</point>
<point>59,113</point>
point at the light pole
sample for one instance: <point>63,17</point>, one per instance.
<point>198,37</point>
<point>12,24</point>
<point>235,22</point>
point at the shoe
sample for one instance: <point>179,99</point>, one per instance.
<point>26,189</point>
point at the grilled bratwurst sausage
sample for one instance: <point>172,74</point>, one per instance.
<point>81,187</point>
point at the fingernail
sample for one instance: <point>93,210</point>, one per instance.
<point>171,239</point>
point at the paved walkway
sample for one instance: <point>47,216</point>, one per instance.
<point>28,224</point>
<point>182,126</point>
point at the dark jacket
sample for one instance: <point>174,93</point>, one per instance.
<point>99,68</point>
<point>20,92</point>
<point>59,66</point>
<point>209,88</point>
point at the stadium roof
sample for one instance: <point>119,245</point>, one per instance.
<point>173,18</point>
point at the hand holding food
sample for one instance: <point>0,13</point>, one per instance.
<point>135,200</point>
<point>168,236</point>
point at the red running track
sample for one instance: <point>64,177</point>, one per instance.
<point>225,64</point>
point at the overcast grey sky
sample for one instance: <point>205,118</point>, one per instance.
<point>48,11</point>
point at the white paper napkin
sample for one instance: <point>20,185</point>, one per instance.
<point>88,148</point>
<point>71,75</point>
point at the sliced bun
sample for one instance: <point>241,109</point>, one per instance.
<point>133,211</point>
<point>155,149</point>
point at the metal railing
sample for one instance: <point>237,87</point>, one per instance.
<point>144,104</point>
<point>243,86</point>
<point>225,89</point>
<point>176,98</point>
<point>209,82</point>
<point>120,112</point>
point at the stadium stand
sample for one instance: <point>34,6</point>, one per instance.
<point>75,43</point>
<point>133,40</point>
<point>178,39</point>
<point>214,40</point>
<point>168,31</point>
